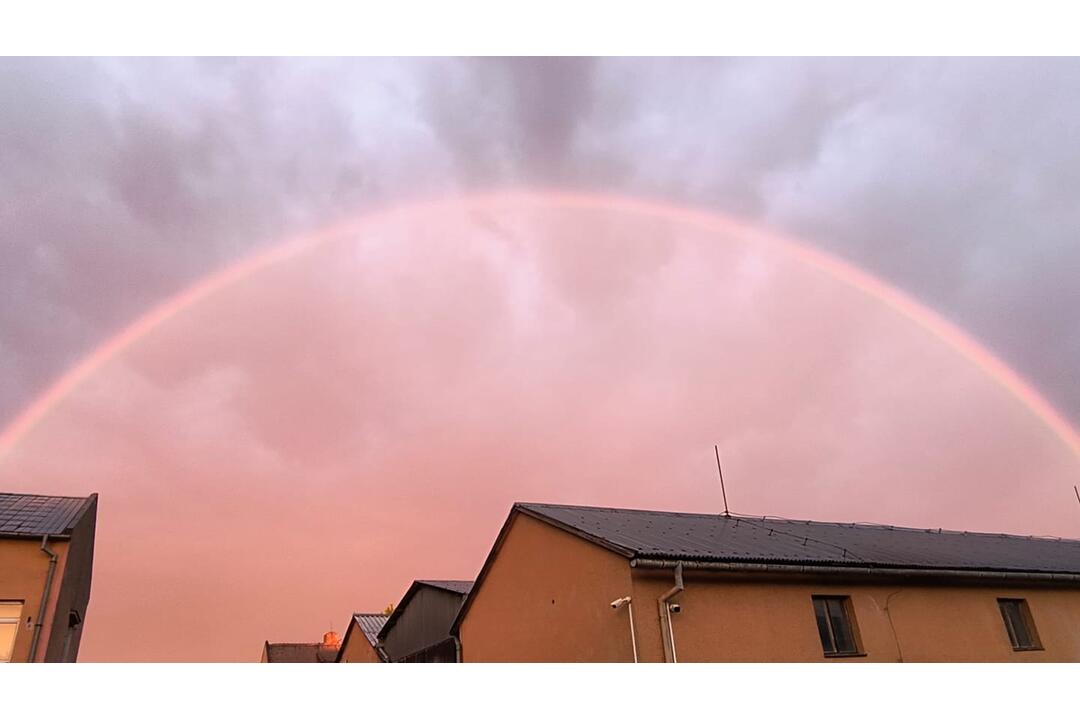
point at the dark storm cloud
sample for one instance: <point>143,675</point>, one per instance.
<point>123,181</point>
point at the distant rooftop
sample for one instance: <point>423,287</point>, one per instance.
<point>37,515</point>
<point>649,534</point>
<point>370,624</point>
<point>461,587</point>
<point>300,653</point>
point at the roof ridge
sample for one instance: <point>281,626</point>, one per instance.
<point>776,518</point>
<point>52,497</point>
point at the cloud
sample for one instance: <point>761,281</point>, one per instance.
<point>316,436</point>
<point>425,376</point>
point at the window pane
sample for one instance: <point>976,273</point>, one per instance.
<point>844,638</point>
<point>7,639</point>
<point>823,626</point>
<point>1017,624</point>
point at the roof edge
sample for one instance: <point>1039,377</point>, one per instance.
<point>863,570</point>
<point>527,509</point>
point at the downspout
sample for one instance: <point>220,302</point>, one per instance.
<point>44,596</point>
<point>664,604</point>
<point>896,639</point>
<point>457,649</point>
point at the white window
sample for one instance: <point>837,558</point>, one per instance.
<point>10,614</point>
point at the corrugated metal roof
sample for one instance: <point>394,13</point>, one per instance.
<point>300,653</point>
<point>36,515</point>
<point>461,587</point>
<point>370,624</point>
<point>687,536</point>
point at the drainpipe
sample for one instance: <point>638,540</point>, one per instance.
<point>44,596</point>
<point>628,602</point>
<point>664,603</point>
<point>457,649</point>
<point>896,639</point>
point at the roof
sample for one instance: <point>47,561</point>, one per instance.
<point>458,587</point>
<point>648,534</point>
<point>370,624</point>
<point>37,515</point>
<point>300,653</point>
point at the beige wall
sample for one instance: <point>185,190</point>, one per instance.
<point>748,621</point>
<point>356,648</point>
<point>23,580</point>
<point>513,618</point>
<point>547,597</point>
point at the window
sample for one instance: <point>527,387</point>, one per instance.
<point>836,625</point>
<point>10,614</point>
<point>1018,624</point>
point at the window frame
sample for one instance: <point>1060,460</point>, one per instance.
<point>848,613</point>
<point>1024,612</point>
<point>16,621</point>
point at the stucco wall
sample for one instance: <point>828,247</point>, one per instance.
<point>547,597</point>
<point>356,648</point>
<point>22,579</point>
<point>748,621</point>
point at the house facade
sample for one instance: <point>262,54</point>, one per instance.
<point>46,565</point>
<point>419,628</point>
<point>565,583</point>
<point>361,641</point>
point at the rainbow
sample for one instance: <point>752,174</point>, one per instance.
<point>842,271</point>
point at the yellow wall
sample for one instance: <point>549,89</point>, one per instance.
<point>513,618</point>
<point>356,648</point>
<point>23,580</point>
<point>747,621</point>
<point>547,597</point>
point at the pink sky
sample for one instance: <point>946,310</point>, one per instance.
<point>304,443</point>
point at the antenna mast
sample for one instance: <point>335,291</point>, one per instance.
<point>724,492</point>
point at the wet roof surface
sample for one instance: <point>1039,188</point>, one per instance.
<point>688,536</point>
<point>35,515</point>
<point>461,587</point>
<point>370,624</point>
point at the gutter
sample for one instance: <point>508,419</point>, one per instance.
<point>861,572</point>
<point>664,604</point>
<point>44,596</point>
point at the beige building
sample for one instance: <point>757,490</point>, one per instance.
<point>46,564</point>
<point>566,583</point>
<point>361,641</point>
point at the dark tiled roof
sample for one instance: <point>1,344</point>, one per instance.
<point>370,624</point>
<point>300,653</point>
<point>461,587</point>
<point>686,536</point>
<point>36,515</point>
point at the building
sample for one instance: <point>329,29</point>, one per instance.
<point>566,583</point>
<point>361,641</point>
<point>419,628</point>
<point>46,563</point>
<point>324,652</point>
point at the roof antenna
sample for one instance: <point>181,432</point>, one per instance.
<point>1077,493</point>
<point>722,490</point>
